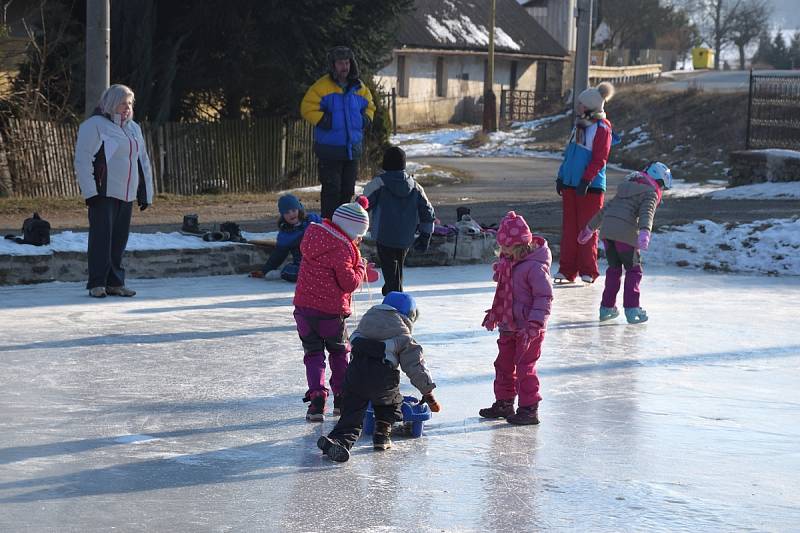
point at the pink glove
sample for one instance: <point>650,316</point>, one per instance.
<point>372,275</point>
<point>644,239</point>
<point>533,330</point>
<point>585,234</point>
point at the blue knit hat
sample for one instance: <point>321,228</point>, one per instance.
<point>403,302</point>
<point>287,203</point>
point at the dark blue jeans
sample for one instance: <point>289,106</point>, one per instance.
<point>109,226</point>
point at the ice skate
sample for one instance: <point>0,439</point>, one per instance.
<point>608,313</point>
<point>635,315</point>
<point>586,278</point>
<point>561,279</point>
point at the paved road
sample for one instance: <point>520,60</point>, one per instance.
<point>526,186</point>
<point>720,80</point>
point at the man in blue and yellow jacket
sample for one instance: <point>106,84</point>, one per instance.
<point>340,107</point>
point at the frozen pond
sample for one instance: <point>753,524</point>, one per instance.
<point>180,410</point>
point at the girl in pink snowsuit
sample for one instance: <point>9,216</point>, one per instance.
<point>520,309</point>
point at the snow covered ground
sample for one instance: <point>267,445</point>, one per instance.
<point>180,410</point>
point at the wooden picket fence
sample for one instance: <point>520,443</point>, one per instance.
<point>188,158</point>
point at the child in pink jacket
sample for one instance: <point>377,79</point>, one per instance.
<point>331,270</point>
<point>520,309</point>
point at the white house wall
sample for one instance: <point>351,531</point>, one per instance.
<point>461,103</point>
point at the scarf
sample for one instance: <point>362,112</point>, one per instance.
<point>502,311</point>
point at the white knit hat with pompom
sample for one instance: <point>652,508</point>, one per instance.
<point>594,98</point>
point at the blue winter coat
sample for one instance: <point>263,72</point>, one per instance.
<point>288,241</point>
<point>397,205</point>
<point>338,115</point>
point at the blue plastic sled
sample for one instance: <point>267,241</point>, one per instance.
<point>414,414</point>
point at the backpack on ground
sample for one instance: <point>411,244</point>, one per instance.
<point>35,231</point>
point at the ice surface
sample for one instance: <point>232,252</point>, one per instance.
<point>179,410</point>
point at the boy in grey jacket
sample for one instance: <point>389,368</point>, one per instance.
<point>625,224</point>
<point>380,346</point>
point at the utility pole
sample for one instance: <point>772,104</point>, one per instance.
<point>489,98</point>
<point>98,51</point>
<point>582,51</point>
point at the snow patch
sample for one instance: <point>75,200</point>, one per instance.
<point>135,439</point>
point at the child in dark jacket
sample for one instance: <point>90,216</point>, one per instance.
<point>625,224</point>
<point>332,268</point>
<point>381,344</point>
<point>292,225</point>
<point>398,207</point>
<point>520,310</point>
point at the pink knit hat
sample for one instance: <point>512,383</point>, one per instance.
<point>513,230</point>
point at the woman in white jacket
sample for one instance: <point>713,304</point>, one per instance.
<point>113,169</point>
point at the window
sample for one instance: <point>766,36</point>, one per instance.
<point>441,77</point>
<point>512,82</point>
<point>541,77</point>
<point>402,79</point>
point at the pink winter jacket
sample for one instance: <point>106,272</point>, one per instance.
<point>532,287</point>
<point>330,271</point>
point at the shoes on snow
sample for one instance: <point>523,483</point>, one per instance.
<point>525,416</point>
<point>97,292</point>
<point>499,409</point>
<point>120,291</point>
<point>608,313</point>
<point>316,409</point>
<point>334,450</point>
<point>635,315</point>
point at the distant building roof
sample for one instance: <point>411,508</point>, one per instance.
<point>463,25</point>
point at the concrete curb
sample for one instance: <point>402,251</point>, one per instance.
<point>237,258</point>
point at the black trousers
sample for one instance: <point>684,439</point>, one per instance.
<point>392,260</point>
<point>109,226</point>
<point>338,179</point>
<point>367,379</point>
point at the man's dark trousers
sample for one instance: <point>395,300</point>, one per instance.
<point>109,226</point>
<point>338,179</point>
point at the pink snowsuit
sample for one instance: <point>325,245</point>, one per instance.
<point>532,291</point>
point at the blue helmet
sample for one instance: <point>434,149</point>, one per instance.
<point>403,302</point>
<point>659,172</point>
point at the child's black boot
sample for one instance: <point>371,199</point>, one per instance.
<point>499,409</point>
<point>525,416</point>
<point>380,439</point>
<point>334,450</point>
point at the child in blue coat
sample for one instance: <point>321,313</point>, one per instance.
<point>292,226</point>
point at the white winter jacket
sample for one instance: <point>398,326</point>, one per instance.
<point>108,159</point>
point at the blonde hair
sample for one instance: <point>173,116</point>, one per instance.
<point>112,97</point>
<point>518,251</point>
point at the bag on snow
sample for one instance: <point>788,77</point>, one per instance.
<point>35,231</point>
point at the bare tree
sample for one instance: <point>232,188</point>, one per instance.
<point>715,18</point>
<point>749,22</point>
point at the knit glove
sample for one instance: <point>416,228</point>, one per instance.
<point>643,242</point>
<point>585,235</point>
<point>422,242</point>
<point>431,401</point>
<point>559,185</point>
<point>582,187</point>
